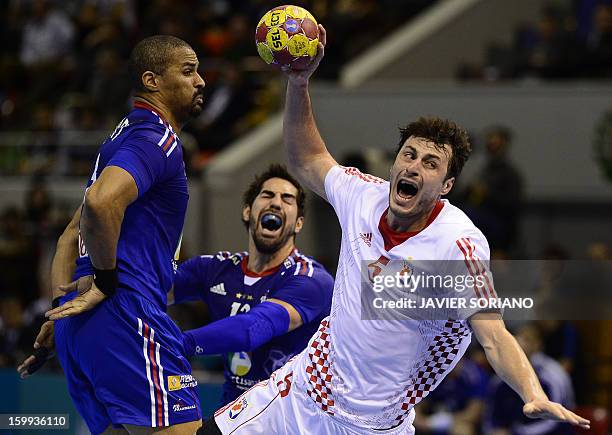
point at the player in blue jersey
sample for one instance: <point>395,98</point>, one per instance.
<point>123,356</point>
<point>265,303</point>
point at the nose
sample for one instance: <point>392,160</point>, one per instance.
<point>411,167</point>
<point>200,83</point>
<point>276,202</point>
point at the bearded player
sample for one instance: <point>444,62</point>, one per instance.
<point>365,376</point>
<point>265,303</point>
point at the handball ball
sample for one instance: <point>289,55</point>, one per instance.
<point>287,36</point>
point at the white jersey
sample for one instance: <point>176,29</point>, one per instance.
<point>371,373</point>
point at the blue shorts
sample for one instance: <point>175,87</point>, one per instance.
<point>124,363</point>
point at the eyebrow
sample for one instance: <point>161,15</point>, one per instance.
<point>284,194</point>
<point>191,64</point>
<point>431,156</point>
<point>426,156</point>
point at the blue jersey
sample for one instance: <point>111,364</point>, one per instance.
<point>145,146</point>
<point>229,289</point>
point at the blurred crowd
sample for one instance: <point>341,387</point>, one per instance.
<point>472,400</point>
<point>28,236</point>
<point>63,74</point>
<point>572,39</point>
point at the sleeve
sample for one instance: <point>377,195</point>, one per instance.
<point>143,159</point>
<point>343,186</point>
<point>309,295</point>
<point>190,278</point>
<point>469,264</point>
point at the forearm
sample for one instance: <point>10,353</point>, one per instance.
<point>66,252</point>
<point>100,228</point>
<point>63,264</point>
<point>303,142</point>
<point>243,332</point>
<point>512,366</point>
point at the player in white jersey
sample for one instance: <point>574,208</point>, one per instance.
<point>363,376</point>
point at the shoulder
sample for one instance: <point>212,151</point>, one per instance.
<point>300,265</point>
<point>143,131</point>
<point>456,231</point>
<point>341,178</point>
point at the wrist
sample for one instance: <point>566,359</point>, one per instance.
<point>298,83</point>
<point>106,280</point>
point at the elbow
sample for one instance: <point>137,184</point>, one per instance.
<point>98,203</point>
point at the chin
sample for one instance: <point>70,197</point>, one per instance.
<point>403,211</point>
<point>195,111</point>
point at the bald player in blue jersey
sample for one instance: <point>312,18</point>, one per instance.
<point>265,303</point>
<point>123,356</point>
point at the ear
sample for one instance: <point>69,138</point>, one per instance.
<point>246,213</point>
<point>150,81</point>
<point>447,186</point>
<point>299,223</point>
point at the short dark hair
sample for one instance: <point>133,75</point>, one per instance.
<point>440,131</point>
<point>274,171</point>
<point>500,130</point>
<point>152,54</point>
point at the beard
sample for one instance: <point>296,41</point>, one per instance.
<point>267,245</point>
<point>195,110</point>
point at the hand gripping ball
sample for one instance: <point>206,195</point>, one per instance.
<point>287,36</point>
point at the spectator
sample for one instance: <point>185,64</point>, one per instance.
<point>493,201</point>
<point>455,407</point>
<point>13,342</point>
<point>600,43</point>
<point>47,35</point>
<point>504,408</point>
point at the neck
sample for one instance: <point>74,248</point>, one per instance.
<point>260,262</point>
<point>161,109</point>
<point>410,223</point>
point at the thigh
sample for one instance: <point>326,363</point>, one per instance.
<point>135,363</point>
<point>80,387</point>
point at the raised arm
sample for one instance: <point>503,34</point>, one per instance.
<point>307,156</point>
<point>512,366</point>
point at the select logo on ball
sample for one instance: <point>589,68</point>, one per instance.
<point>276,38</point>
<point>275,17</point>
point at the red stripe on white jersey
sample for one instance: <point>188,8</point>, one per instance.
<point>476,268</point>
